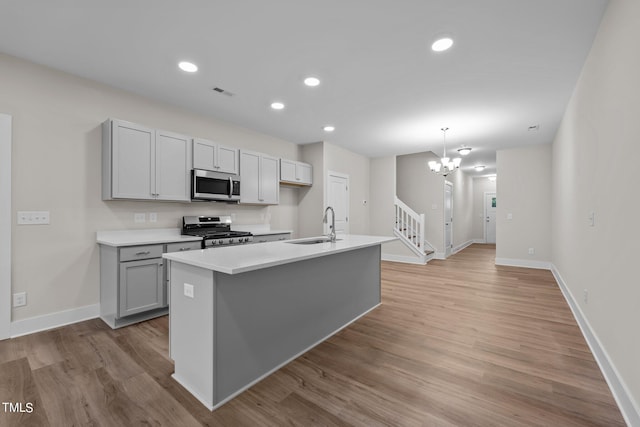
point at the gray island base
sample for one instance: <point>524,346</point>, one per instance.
<point>238,328</point>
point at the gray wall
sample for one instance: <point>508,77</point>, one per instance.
<point>524,191</point>
<point>595,169</point>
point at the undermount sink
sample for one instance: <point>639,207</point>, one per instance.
<point>310,240</point>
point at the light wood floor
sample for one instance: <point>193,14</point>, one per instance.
<point>456,343</point>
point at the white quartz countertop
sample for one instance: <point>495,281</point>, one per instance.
<point>259,229</point>
<point>142,237</point>
<point>243,258</point>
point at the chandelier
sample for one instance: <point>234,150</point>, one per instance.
<point>446,165</point>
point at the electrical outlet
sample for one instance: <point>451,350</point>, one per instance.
<point>585,296</point>
<point>19,299</point>
<point>532,251</point>
<point>153,217</point>
<point>592,219</point>
<point>188,290</point>
<point>33,217</point>
<point>509,216</point>
<point>139,218</point>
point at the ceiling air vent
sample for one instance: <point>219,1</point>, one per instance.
<point>222,91</point>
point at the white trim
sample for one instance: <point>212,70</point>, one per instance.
<point>54,320</point>
<point>5,226</point>
<point>439,255</point>
<point>447,251</point>
<point>486,193</point>
<point>404,259</point>
<point>525,263</point>
<point>266,374</point>
<point>462,246</point>
<point>628,406</point>
<point>326,198</point>
<point>481,241</point>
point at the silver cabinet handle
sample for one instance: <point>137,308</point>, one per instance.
<point>230,187</point>
<point>183,249</point>
<point>143,253</point>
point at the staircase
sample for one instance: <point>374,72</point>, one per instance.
<point>409,228</point>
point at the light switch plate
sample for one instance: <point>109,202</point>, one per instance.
<point>139,218</point>
<point>509,216</point>
<point>33,217</point>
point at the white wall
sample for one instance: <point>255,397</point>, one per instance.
<point>338,159</point>
<point>462,208</point>
<point>423,191</point>
<point>595,169</point>
<point>311,200</point>
<point>480,186</point>
<point>524,191</point>
<point>56,167</point>
<point>5,225</point>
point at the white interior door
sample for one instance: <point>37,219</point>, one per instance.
<point>338,199</point>
<point>448,218</point>
<point>5,226</point>
<point>490,203</point>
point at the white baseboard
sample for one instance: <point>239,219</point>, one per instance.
<point>404,259</point>
<point>439,255</point>
<point>54,320</point>
<point>462,246</point>
<point>628,407</point>
<point>481,241</point>
<point>526,263</point>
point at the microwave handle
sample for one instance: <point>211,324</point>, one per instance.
<point>230,187</point>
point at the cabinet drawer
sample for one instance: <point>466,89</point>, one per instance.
<point>140,252</point>
<point>183,246</point>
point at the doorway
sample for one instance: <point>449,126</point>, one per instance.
<point>448,218</point>
<point>490,207</point>
<point>5,226</point>
<point>338,199</point>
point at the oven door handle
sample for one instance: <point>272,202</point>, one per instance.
<point>230,187</point>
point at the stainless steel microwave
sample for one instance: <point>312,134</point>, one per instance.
<point>207,185</point>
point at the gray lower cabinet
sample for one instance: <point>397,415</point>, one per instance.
<point>133,283</point>
<point>141,286</point>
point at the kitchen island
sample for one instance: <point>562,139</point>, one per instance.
<point>239,313</point>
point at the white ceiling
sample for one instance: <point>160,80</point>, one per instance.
<point>514,64</point>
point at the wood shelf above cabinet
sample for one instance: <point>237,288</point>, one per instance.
<point>296,173</point>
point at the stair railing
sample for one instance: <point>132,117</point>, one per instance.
<point>409,227</point>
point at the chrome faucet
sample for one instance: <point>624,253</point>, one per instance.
<point>332,233</point>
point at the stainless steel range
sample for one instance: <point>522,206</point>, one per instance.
<point>214,230</point>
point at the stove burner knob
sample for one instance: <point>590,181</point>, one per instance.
<point>230,240</point>
<point>246,239</point>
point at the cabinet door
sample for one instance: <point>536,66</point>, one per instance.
<point>133,166</point>
<point>304,173</point>
<point>227,159</point>
<point>141,286</point>
<point>249,177</point>
<point>270,180</point>
<point>204,154</point>
<point>173,154</point>
<point>287,170</point>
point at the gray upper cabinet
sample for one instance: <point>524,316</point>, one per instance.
<point>215,157</point>
<point>259,178</point>
<point>143,163</point>
<point>297,173</point>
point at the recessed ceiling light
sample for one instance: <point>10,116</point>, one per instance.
<point>442,44</point>
<point>479,168</point>
<point>277,105</point>
<point>492,178</point>
<point>312,81</point>
<point>464,151</point>
<point>189,67</point>
<point>329,128</point>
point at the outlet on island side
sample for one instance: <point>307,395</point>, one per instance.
<point>585,296</point>
<point>188,290</point>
